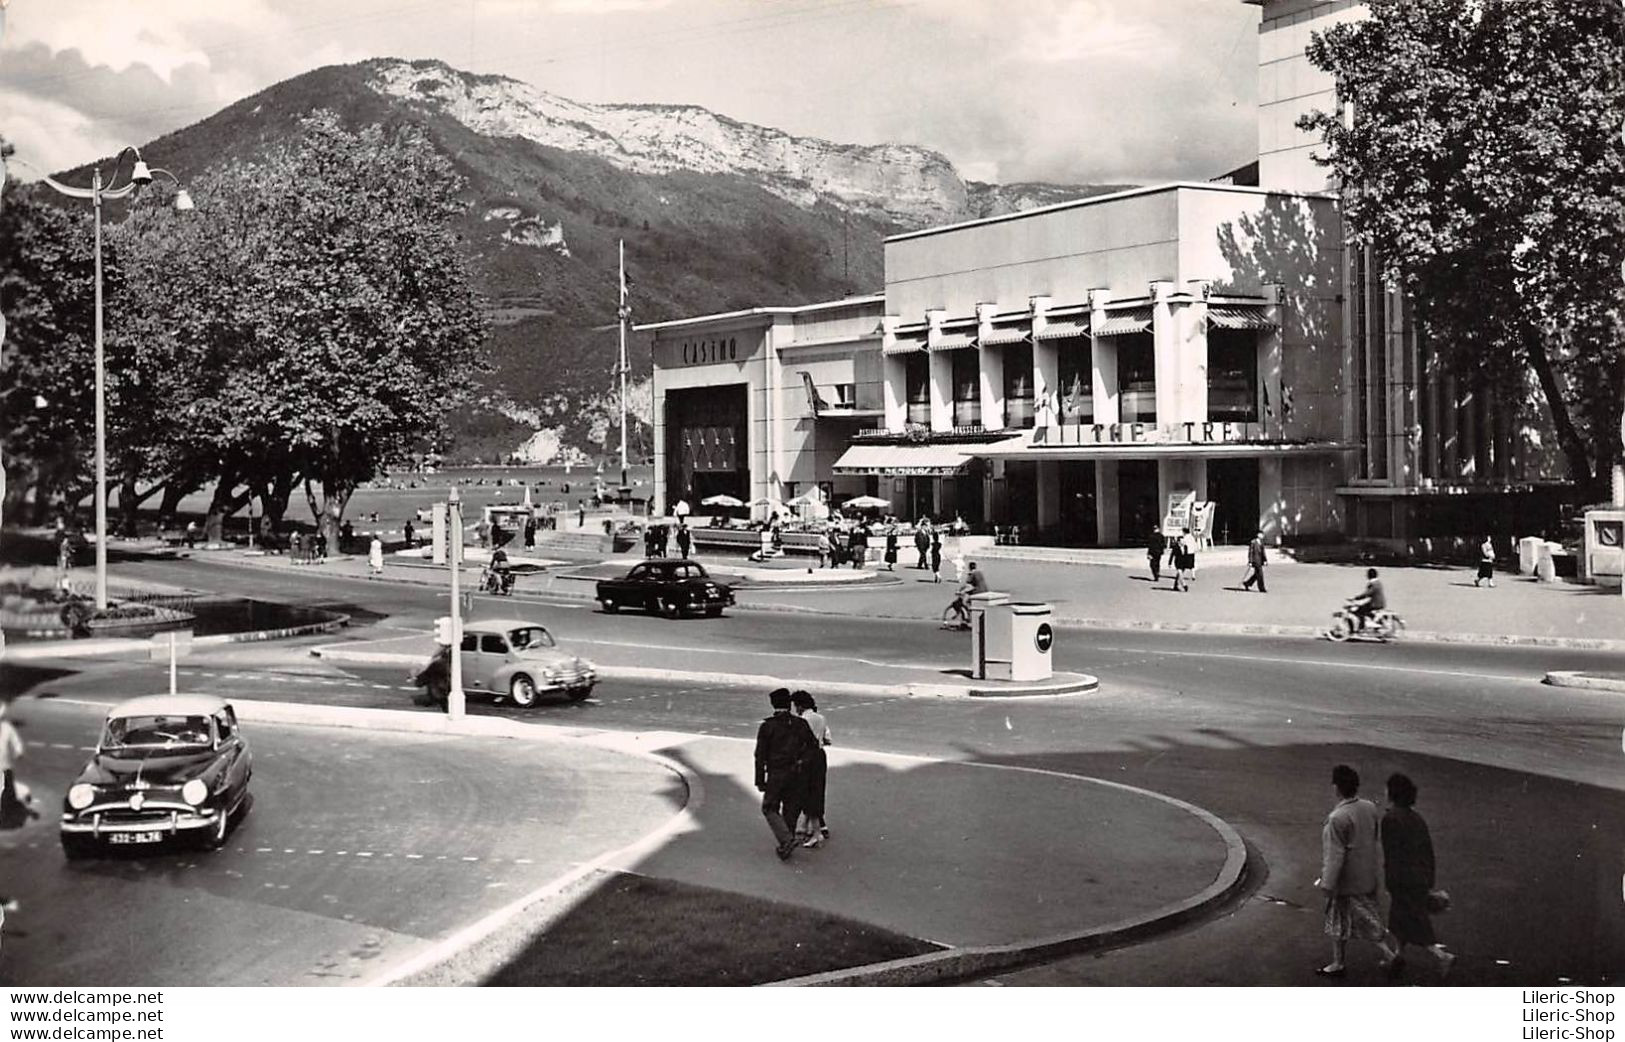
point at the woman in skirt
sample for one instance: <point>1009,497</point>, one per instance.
<point>1407,862</point>
<point>813,831</point>
<point>1486,562</point>
<point>891,548</point>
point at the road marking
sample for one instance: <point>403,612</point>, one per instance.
<point>1332,663</point>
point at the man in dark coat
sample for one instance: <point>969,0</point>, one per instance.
<point>1256,560</point>
<point>685,539</point>
<point>1155,547</point>
<point>784,745</point>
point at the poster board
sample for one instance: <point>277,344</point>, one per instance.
<point>1178,514</point>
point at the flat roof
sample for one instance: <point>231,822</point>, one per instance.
<point>796,309</point>
<point>1093,200</point>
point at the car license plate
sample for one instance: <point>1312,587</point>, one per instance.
<point>135,837</point>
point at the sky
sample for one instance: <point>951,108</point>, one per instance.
<point>1067,91</point>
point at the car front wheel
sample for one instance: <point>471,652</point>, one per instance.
<point>522,691</point>
<point>670,609</point>
<point>580,694</point>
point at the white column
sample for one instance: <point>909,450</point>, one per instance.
<point>1270,361</point>
<point>893,377</point>
<point>1271,508</point>
<point>1046,371</point>
<point>990,372</point>
<point>1166,353</point>
<point>1103,364</point>
<point>1190,319</point>
<point>942,376</point>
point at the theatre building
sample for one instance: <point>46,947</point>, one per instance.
<point>1067,372</point>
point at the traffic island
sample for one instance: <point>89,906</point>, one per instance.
<point>1597,681</point>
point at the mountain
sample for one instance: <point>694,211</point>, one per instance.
<point>716,215</point>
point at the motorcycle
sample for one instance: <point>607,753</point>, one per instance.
<point>1383,625</point>
<point>497,581</point>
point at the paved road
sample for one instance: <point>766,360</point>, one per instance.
<point>1520,782</point>
<point>361,849</point>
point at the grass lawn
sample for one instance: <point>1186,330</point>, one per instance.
<point>636,930</point>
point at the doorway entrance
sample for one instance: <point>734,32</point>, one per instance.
<point>1232,488</point>
<point>1137,508</point>
<point>1078,507</point>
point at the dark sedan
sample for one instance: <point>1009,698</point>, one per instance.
<point>166,767</point>
<point>669,588</point>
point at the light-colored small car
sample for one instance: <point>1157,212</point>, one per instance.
<point>165,767</point>
<point>519,661</point>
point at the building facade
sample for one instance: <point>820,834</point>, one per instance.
<point>1080,372</point>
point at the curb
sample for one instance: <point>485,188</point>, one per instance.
<point>123,645</point>
<point>1226,629</point>
<point>1588,681</point>
<point>1074,684</point>
<point>960,963</point>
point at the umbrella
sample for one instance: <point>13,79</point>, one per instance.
<point>867,503</point>
<point>765,501</point>
<point>721,501</point>
<point>812,495</point>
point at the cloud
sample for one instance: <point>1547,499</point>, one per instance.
<point>595,6</point>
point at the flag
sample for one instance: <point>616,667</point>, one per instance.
<point>1286,404</point>
<point>1269,410</point>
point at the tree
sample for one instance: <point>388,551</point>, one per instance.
<point>366,328</point>
<point>1484,168</point>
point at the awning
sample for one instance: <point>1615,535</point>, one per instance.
<point>1123,323</point>
<point>933,461</point>
<point>1003,336</point>
<point>903,345</point>
<point>1243,317</point>
<point>1059,329</point>
<point>953,342</point>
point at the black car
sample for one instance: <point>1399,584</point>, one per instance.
<point>166,767</point>
<point>669,588</point>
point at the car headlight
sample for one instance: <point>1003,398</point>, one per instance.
<point>195,792</point>
<point>81,796</point>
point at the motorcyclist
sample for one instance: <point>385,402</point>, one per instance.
<point>499,577</point>
<point>1369,601</point>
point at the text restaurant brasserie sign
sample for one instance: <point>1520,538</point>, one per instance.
<point>1191,433</point>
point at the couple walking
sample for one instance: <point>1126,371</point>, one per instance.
<point>792,770</point>
<point>1350,843</point>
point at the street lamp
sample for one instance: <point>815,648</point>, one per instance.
<point>140,174</point>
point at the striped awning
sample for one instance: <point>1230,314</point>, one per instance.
<point>1060,329</point>
<point>906,344</point>
<point>903,460</point>
<point>953,341</point>
<point>1231,316</point>
<point>1014,335</point>
<point>1123,323</point>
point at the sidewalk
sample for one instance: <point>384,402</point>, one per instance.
<point>927,848</point>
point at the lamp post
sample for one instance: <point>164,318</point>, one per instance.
<point>140,175</point>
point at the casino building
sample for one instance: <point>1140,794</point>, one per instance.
<point>1082,371</point>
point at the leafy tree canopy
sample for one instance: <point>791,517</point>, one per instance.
<point>1485,168</point>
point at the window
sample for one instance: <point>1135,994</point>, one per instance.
<point>1018,385</point>
<point>470,643</point>
<point>967,384</point>
<point>1076,378</point>
<point>493,644</point>
<point>1232,375</point>
<point>917,385</point>
<point>1136,379</point>
<point>530,637</point>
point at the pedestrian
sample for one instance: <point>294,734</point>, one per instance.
<point>347,536</point>
<point>922,541</point>
<point>530,532</point>
<point>662,539</point>
<point>825,547</point>
<point>319,542</point>
<point>1184,554</point>
<point>1256,560</point>
<point>685,539</point>
<point>975,580</point>
<point>375,555</point>
<point>812,829</point>
<point>15,807</point>
<point>64,560</point>
<point>857,545</point>
<point>498,534</point>
<point>1348,874</point>
<point>936,556</point>
<point>784,745</point>
<point>581,513</point>
<point>1155,547</point>
<point>1486,562</point>
<point>411,535</point>
<point>649,543</point>
<point>681,511</point>
<point>296,547</point>
<point>191,534</point>
<point>891,548</point>
<point>1408,872</point>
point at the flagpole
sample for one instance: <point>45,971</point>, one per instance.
<point>621,315</point>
